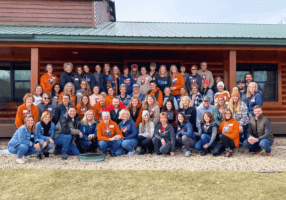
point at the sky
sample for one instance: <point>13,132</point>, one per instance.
<point>205,11</point>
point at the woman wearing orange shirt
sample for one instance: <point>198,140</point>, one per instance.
<point>69,89</point>
<point>48,79</point>
<point>83,106</point>
<point>177,80</point>
<point>26,109</point>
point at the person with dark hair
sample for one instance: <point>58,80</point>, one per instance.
<point>84,89</point>
<point>248,78</point>
<point>55,94</point>
<point>45,131</point>
<point>136,93</point>
<point>48,79</point>
<point>83,106</point>
<point>207,131</point>
<point>206,74</point>
<point>169,108</point>
<point>187,109</point>
<point>89,77</point>
<point>185,135</point>
<point>167,95</point>
<point>144,81</point>
<point>47,105</point>
<point>207,92</point>
<point>66,76</point>
<point>23,143</point>
<point>153,72</point>
<point>127,80</point>
<point>62,108</point>
<point>114,110</point>
<point>156,92</point>
<point>106,74</point>
<point>38,92</point>
<point>184,73</point>
<point>26,109</point>
<point>77,77</point>
<point>259,133</point>
<point>152,106</point>
<point>163,79</point>
<point>164,139</point>
<point>113,80</point>
<point>194,77</point>
<point>242,91</point>
<point>66,133</point>
<point>135,108</point>
<point>177,81</point>
<point>229,136</point>
<point>146,132</point>
<point>123,97</point>
<point>183,92</point>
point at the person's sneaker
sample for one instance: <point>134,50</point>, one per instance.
<point>39,156</point>
<point>130,153</point>
<point>142,152</point>
<point>205,152</point>
<point>47,154</point>
<point>268,154</point>
<point>188,154</point>
<point>20,161</point>
<point>98,150</point>
<point>184,150</point>
<point>57,150</point>
<point>64,156</point>
<point>228,154</point>
<point>258,152</point>
<point>112,154</point>
<point>139,149</point>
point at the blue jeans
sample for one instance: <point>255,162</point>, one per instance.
<point>84,143</point>
<point>65,141</point>
<point>204,140</point>
<point>114,145</point>
<point>126,146</point>
<point>22,150</point>
<point>49,147</point>
<point>262,144</point>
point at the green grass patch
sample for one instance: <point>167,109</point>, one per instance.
<point>110,184</point>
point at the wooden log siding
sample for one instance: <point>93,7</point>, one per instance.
<point>100,12</point>
<point>46,13</point>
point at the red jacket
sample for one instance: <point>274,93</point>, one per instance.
<point>109,108</point>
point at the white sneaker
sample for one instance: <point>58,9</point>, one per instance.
<point>20,161</point>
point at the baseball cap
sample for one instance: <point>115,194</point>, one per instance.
<point>206,98</point>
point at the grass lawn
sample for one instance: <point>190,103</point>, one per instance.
<point>77,184</point>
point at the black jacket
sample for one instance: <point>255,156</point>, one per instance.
<point>76,81</point>
<point>59,111</point>
<point>65,78</point>
<point>168,135</point>
<point>191,114</point>
<point>115,116</point>
<point>90,80</point>
<point>68,126</point>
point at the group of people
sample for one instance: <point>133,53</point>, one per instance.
<point>155,111</point>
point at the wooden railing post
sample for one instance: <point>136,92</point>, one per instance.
<point>232,70</point>
<point>35,64</point>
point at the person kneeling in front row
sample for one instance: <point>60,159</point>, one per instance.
<point>108,135</point>
<point>259,133</point>
<point>22,142</point>
<point>66,133</point>
<point>164,139</point>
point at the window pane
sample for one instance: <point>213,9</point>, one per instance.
<point>22,75</point>
<point>21,88</point>
<point>240,75</point>
<point>5,89</point>
<point>269,76</point>
<point>269,91</point>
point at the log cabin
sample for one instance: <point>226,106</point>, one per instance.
<point>34,33</point>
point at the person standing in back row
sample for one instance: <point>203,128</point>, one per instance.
<point>66,77</point>
<point>206,74</point>
<point>48,79</point>
<point>195,77</point>
<point>89,77</point>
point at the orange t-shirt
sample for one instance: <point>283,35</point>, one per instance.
<point>230,129</point>
<point>22,111</point>
<point>82,111</point>
<point>98,109</point>
<point>47,82</point>
<point>177,82</point>
<point>72,101</point>
<point>105,132</point>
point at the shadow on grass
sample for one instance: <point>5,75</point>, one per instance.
<point>77,184</point>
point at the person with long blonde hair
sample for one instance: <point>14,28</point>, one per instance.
<point>177,80</point>
<point>152,106</point>
<point>144,81</point>
<point>22,143</point>
<point>188,110</point>
<point>163,79</point>
<point>69,89</point>
<point>146,132</point>
<point>254,98</point>
<point>219,109</point>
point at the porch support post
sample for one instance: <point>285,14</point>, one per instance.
<point>35,65</point>
<point>232,70</point>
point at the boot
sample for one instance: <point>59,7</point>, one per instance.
<point>143,151</point>
<point>205,152</point>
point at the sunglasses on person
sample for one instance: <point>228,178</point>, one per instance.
<point>46,97</point>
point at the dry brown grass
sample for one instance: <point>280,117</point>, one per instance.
<point>115,184</point>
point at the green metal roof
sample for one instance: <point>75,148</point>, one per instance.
<point>152,33</point>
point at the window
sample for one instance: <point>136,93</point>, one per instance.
<point>15,80</point>
<point>264,75</point>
